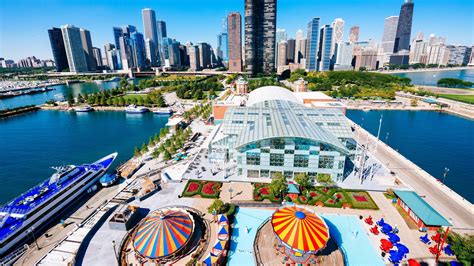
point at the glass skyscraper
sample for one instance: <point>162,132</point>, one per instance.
<point>312,45</point>
<point>57,48</point>
<point>74,51</point>
<point>325,42</point>
<point>402,39</point>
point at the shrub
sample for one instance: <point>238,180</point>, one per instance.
<point>217,205</point>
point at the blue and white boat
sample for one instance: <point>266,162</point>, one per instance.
<point>108,180</point>
<point>133,109</point>
<point>83,109</point>
<point>163,111</point>
<point>34,209</point>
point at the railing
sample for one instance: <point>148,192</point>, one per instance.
<point>256,251</point>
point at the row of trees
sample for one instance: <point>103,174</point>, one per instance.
<point>199,90</point>
<point>171,145</point>
<point>454,83</point>
<point>279,184</point>
<point>201,110</point>
<point>153,141</point>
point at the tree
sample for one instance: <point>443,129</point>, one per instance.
<point>278,184</point>
<point>156,138</point>
<point>155,153</point>
<point>462,246</point>
<point>160,101</point>
<point>144,148</point>
<point>136,152</point>
<point>324,179</point>
<point>414,102</point>
<point>217,205</point>
<point>303,180</point>
<point>70,99</point>
<point>166,155</point>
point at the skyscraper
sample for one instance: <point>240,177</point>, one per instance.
<point>150,30</point>
<point>234,41</point>
<point>222,46</point>
<point>354,34</point>
<point>194,57</point>
<point>204,55</point>
<point>290,50</point>
<point>260,29</point>
<point>150,52</point>
<point>138,49</point>
<point>58,49</point>
<point>324,54</point>
<point>75,54</point>
<point>403,35</point>
<point>87,47</point>
<point>338,34</point>
<point>280,35</point>
<point>312,45</point>
<point>161,29</point>
<point>344,56</point>
<point>300,46</point>
<point>281,60</point>
<point>97,56</point>
<point>389,33</point>
<point>118,32</point>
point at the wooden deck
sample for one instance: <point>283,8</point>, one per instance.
<point>270,254</point>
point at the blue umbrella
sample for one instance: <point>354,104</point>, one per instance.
<point>222,218</point>
<point>223,231</point>
<point>402,248</point>
<point>394,238</point>
<point>387,227</point>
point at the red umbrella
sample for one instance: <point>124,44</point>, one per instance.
<point>412,262</point>
<point>385,245</point>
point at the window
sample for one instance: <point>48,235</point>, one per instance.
<point>288,174</point>
<point>265,173</point>
<point>252,174</point>
<point>325,147</point>
<point>277,144</point>
<point>277,159</point>
<point>239,171</point>
<point>301,160</point>
<point>302,147</point>
<point>253,158</point>
<point>265,150</point>
<point>313,152</point>
<point>239,159</point>
<point>237,122</point>
<point>273,173</point>
<point>341,165</point>
<point>289,151</point>
<point>326,162</point>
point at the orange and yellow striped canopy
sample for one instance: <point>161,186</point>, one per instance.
<point>300,229</point>
<point>163,232</point>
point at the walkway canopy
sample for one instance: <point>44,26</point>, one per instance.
<point>299,229</point>
<point>163,233</point>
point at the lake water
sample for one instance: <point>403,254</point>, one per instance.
<point>430,78</point>
<point>30,144</point>
<point>432,140</point>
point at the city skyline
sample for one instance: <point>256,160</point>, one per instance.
<point>23,32</point>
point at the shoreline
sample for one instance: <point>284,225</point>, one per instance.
<point>406,71</point>
<point>445,110</point>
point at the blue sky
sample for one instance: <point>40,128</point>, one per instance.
<point>24,23</point>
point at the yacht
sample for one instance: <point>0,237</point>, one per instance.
<point>83,109</point>
<point>133,109</point>
<point>163,111</point>
<point>108,180</point>
<point>38,206</point>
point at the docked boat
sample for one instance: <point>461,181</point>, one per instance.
<point>35,208</point>
<point>114,79</point>
<point>133,109</point>
<point>83,109</point>
<point>108,180</point>
<point>163,111</point>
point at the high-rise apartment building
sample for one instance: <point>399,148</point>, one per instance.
<point>281,60</point>
<point>389,34</point>
<point>471,60</point>
<point>118,32</point>
<point>58,49</point>
<point>290,50</point>
<point>300,46</point>
<point>260,30</point>
<point>97,56</point>
<point>325,43</point>
<point>418,52</point>
<point>354,34</point>
<point>402,38</point>
<point>312,45</point>
<point>87,47</point>
<point>138,49</point>
<point>151,32</point>
<point>344,56</point>
<point>338,34</point>
<point>194,57</point>
<point>76,58</point>
<point>234,41</point>
<point>204,55</point>
<point>161,29</point>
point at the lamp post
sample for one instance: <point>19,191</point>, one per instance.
<point>115,251</point>
<point>32,232</point>
<point>230,191</point>
<point>446,170</point>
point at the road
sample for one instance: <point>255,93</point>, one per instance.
<point>460,214</point>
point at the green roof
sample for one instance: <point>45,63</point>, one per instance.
<point>421,208</point>
<point>292,188</point>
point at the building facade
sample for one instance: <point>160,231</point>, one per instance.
<point>57,47</point>
<point>312,45</point>
<point>118,32</point>
<point>260,31</point>
<point>97,56</point>
<point>76,58</point>
<point>87,47</point>
<point>354,34</point>
<point>389,34</point>
<point>325,44</point>
<point>300,46</point>
<point>403,35</point>
<point>234,41</point>
<point>151,32</point>
<point>194,57</point>
<point>344,56</point>
<point>338,34</point>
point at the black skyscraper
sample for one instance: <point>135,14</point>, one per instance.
<point>402,39</point>
<point>57,47</point>
<point>260,31</point>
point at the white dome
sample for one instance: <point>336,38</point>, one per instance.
<point>269,93</point>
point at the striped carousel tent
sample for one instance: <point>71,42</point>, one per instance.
<point>300,230</point>
<point>163,232</point>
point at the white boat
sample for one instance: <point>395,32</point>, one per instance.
<point>108,180</point>
<point>114,79</point>
<point>163,111</point>
<point>84,109</point>
<point>133,109</point>
<point>37,207</point>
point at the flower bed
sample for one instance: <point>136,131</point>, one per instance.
<point>261,191</point>
<point>192,188</point>
<point>205,189</point>
<point>211,190</point>
<point>302,199</point>
<point>361,200</point>
<point>264,191</point>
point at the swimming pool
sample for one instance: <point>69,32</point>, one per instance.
<point>346,230</point>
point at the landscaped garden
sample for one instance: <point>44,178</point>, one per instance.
<point>262,191</point>
<point>204,189</point>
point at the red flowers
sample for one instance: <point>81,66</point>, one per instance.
<point>192,187</point>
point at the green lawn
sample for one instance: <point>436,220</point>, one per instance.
<point>460,98</point>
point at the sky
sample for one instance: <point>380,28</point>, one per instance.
<point>24,23</point>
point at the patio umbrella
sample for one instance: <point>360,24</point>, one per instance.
<point>219,247</point>
<point>412,262</point>
<point>402,248</point>
<point>210,260</point>
<point>393,238</point>
<point>223,232</point>
<point>385,244</point>
<point>163,232</point>
<point>299,229</point>
<point>222,218</point>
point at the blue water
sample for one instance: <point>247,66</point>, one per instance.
<point>431,78</point>
<point>432,140</point>
<point>357,249</point>
<point>30,144</point>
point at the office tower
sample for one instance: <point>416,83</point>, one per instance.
<point>312,45</point>
<point>108,47</point>
<point>194,57</point>
<point>338,34</point>
<point>128,30</point>
<point>161,29</point>
<point>300,46</point>
<point>420,36</point>
<point>281,60</point>
<point>174,54</point>
<point>150,52</point>
<point>389,34</point>
<point>58,49</point>
<point>290,50</point>
<point>150,30</point>
<point>165,48</point>
<point>260,30</point>
<point>118,32</point>
<point>222,46</point>
<point>344,56</point>
<point>417,52</point>
<point>204,55</point>
<point>183,55</point>
<point>354,34</point>
<point>234,41</point>
<point>74,51</point>
<point>138,49</point>
<point>97,56</point>
<point>113,59</point>
<point>402,38</point>
<point>126,55</point>
<point>280,35</point>
<point>324,54</point>
<point>87,47</point>
<point>471,60</point>
<point>366,58</point>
